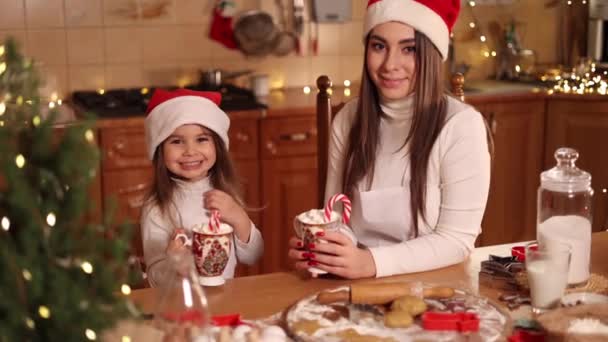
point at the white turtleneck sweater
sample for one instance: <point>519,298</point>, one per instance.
<point>157,230</point>
<point>457,188</point>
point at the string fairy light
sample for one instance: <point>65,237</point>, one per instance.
<point>125,289</point>
<point>474,25</point>
<point>51,219</point>
<point>6,223</point>
<point>44,312</point>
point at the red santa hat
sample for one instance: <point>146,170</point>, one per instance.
<point>167,110</point>
<point>434,18</point>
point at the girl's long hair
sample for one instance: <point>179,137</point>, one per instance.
<point>222,176</point>
<point>429,115</point>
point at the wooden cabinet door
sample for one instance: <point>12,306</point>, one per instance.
<point>290,187</point>
<point>518,132</point>
<point>583,125</point>
<point>248,172</point>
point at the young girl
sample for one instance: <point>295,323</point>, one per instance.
<point>187,141</point>
<point>414,161</point>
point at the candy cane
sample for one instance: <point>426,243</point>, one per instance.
<point>214,222</point>
<point>345,204</point>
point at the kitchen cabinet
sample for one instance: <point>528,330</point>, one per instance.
<point>582,123</point>
<point>517,127</point>
<point>289,169</point>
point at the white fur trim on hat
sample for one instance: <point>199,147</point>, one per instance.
<point>414,14</point>
<point>169,115</point>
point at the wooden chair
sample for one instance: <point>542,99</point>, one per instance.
<point>325,115</point>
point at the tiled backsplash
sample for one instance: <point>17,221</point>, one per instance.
<point>91,44</point>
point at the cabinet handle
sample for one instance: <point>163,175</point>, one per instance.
<point>270,146</point>
<point>134,188</point>
<point>295,136</point>
<point>243,137</point>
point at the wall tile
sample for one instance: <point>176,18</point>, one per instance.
<point>85,46</point>
<point>157,12</point>
<point>329,39</point>
<point>55,80</point>
<point>161,74</point>
<point>44,13</point>
<point>123,76</point>
<point>158,43</point>
<point>47,46</point>
<point>12,15</point>
<point>219,52</point>
<point>358,10</point>
<point>192,43</point>
<point>122,45</point>
<point>327,65</point>
<point>193,12</point>
<point>351,38</point>
<point>90,77</point>
<point>351,68</point>
<point>119,13</point>
<point>83,13</point>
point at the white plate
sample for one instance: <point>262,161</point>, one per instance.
<point>572,299</point>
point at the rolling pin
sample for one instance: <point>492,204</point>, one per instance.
<point>382,293</point>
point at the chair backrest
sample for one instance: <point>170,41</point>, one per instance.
<point>325,114</point>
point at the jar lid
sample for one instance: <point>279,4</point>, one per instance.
<point>565,176</point>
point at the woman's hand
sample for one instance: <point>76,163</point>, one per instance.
<point>230,212</point>
<point>340,256</point>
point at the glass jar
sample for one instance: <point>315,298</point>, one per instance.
<point>564,211</point>
<point>182,312</point>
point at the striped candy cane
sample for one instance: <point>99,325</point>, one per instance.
<point>214,222</point>
<point>345,204</point>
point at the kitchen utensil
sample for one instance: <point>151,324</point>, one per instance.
<point>461,321</point>
<point>255,33</point>
<point>298,23</point>
<point>379,293</point>
<point>214,78</point>
<point>286,40</point>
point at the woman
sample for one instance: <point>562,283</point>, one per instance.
<point>414,161</point>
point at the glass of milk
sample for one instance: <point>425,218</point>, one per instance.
<point>547,270</point>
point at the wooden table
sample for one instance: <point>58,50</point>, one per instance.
<point>260,296</point>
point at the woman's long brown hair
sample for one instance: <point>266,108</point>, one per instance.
<point>430,110</point>
<point>222,176</point>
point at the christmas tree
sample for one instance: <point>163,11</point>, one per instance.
<point>62,277</point>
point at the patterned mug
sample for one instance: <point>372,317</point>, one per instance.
<point>211,250</point>
<point>309,223</point>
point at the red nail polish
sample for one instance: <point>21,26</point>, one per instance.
<point>311,246</point>
<point>313,263</point>
<point>305,255</point>
<point>320,233</point>
<point>311,255</point>
<point>299,244</point>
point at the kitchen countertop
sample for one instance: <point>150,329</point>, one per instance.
<point>294,102</point>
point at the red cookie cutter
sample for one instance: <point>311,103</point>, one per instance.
<point>227,320</point>
<point>460,321</point>
<point>519,252</point>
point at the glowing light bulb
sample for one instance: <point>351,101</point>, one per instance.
<point>101,91</point>
<point>89,136</point>
<point>1,50</point>
<point>20,161</point>
<point>306,90</point>
<point>483,38</point>
<point>347,83</point>
<point>51,104</point>
<point>2,108</point>
<point>51,219</point>
<point>30,323</point>
<point>125,289</point>
<point>27,275</point>
<point>347,92</point>
<point>44,312</point>
<point>472,24</point>
<point>54,96</point>
<point>36,120</point>
<point>126,339</point>
<point>144,91</point>
<point>87,267</point>
<point>493,53</point>
<point>2,67</point>
<point>6,223</point>
<point>472,3</point>
<point>90,334</point>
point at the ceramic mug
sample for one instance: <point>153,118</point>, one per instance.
<point>309,223</point>
<point>211,251</point>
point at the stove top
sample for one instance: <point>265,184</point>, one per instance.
<point>116,103</point>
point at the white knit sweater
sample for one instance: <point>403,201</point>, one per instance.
<point>157,230</point>
<point>457,187</point>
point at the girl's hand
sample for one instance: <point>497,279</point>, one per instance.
<point>230,212</point>
<point>176,245</point>
<point>340,256</point>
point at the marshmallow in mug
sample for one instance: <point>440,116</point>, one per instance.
<point>205,228</point>
<point>317,216</point>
